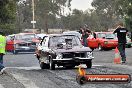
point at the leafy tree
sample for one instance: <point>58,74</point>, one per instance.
<point>24,15</point>
<point>124,8</point>
<point>47,8</point>
<point>106,11</point>
<point>7,15</point>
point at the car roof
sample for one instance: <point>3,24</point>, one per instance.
<point>53,35</point>
<point>24,33</point>
<point>70,32</point>
<point>103,32</point>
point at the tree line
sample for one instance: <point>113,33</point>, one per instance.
<point>16,15</point>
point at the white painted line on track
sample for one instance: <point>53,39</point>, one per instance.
<point>25,81</point>
<point>1,86</point>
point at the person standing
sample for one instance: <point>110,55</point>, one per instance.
<point>84,38</point>
<point>121,35</point>
<point>2,51</point>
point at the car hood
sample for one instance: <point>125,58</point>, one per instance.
<point>74,49</point>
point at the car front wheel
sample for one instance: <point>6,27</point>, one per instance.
<point>52,65</point>
<point>44,65</point>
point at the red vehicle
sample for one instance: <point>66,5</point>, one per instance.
<point>102,40</point>
<point>21,42</point>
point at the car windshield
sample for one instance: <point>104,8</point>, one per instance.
<point>107,35</point>
<point>62,40</point>
<point>25,36</point>
<point>110,35</point>
<point>73,33</point>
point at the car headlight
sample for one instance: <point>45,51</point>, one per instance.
<point>59,56</point>
<point>89,55</point>
<point>105,42</point>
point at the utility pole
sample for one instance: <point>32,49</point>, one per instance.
<point>33,21</point>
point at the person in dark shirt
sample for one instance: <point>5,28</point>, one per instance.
<point>121,35</point>
<point>84,38</point>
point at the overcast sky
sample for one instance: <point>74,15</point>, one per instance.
<point>81,4</point>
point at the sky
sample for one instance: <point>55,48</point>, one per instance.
<point>81,4</point>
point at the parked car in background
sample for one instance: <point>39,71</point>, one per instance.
<point>63,50</point>
<point>102,40</point>
<point>21,42</point>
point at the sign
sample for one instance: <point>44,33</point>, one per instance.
<point>33,21</point>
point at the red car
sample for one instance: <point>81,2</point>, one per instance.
<point>21,42</point>
<point>102,40</point>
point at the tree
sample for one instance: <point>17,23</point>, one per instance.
<point>24,15</point>
<point>124,8</point>
<point>7,15</point>
<point>106,10</point>
<point>47,8</point>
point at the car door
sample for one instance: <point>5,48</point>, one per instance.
<point>92,41</point>
<point>100,38</point>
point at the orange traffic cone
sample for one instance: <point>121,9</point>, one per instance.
<point>117,59</point>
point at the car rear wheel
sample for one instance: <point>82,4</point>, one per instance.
<point>44,65</point>
<point>89,64</point>
<point>52,65</point>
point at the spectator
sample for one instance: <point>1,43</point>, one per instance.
<point>2,51</point>
<point>84,37</point>
<point>121,35</point>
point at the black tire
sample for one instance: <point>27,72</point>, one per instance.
<point>100,47</point>
<point>44,65</point>
<point>52,65</point>
<point>89,64</point>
